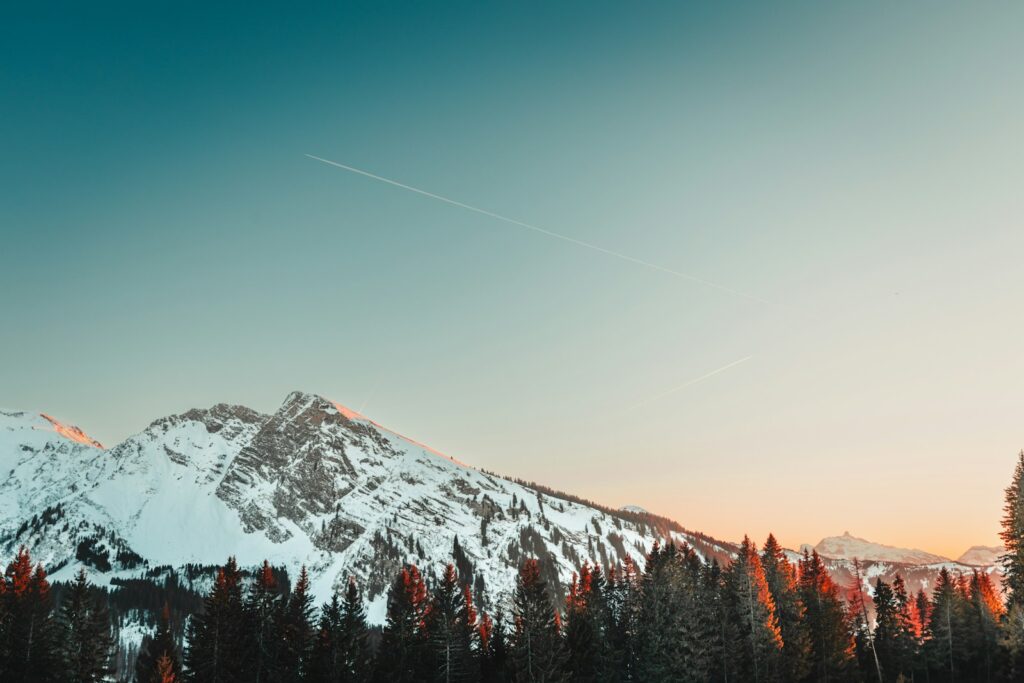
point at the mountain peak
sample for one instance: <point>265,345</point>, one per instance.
<point>72,432</point>
<point>304,399</point>
<point>849,547</point>
<point>982,555</point>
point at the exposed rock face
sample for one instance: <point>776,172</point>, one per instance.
<point>313,484</point>
<point>299,456</point>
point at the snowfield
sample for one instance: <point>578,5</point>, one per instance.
<point>318,485</point>
<point>314,485</point>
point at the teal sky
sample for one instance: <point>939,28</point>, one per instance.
<point>165,243</point>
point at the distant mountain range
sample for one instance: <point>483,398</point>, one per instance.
<point>849,547</point>
<point>320,485</point>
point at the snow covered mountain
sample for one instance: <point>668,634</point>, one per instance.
<point>313,484</point>
<point>981,555</point>
<point>319,485</point>
<point>847,547</point>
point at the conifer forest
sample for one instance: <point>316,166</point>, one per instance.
<point>760,618</point>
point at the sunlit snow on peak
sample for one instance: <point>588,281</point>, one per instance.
<point>72,432</point>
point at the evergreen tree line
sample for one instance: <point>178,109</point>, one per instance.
<point>38,643</point>
<point>678,618</point>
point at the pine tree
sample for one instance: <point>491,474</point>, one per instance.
<point>404,651</point>
<point>452,624</point>
<point>863,638</point>
<point>340,652</point>
<point>984,612</point>
<point>676,628</point>
<point>908,630</point>
<point>154,649</point>
<point>325,661</point>
<point>293,632</point>
<point>616,628</point>
<point>537,653</point>
<point>827,621</point>
<point>1013,536</point>
<point>216,641</point>
<point>625,603</point>
<point>583,627</point>
<point>893,636</point>
<point>30,631</point>
<point>752,613</point>
<point>945,640</point>
<point>494,662</point>
<point>261,608</point>
<point>86,648</point>
<point>1013,572</point>
<point>784,588</point>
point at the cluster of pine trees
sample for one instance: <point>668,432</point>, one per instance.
<point>40,643</point>
<point>761,618</point>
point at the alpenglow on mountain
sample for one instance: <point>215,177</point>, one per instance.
<point>319,485</point>
<point>313,484</point>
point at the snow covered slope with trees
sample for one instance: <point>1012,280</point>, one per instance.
<point>319,485</point>
<point>314,484</point>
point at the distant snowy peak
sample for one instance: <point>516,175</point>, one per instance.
<point>71,432</point>
<point>848,547</point>
<point>635,508</point>
<point>33,430</point>
<point>982,555</point>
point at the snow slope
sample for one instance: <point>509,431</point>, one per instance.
<point>318,485</point>
<point>314,484</point>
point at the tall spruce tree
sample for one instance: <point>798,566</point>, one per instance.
<point>293,632</point>
<point>583,628</point>
<point>86,644</point>
<point>216,639</point>
<point>984,612</point>
<point>537,651</point>
<point>1012,536</point>
<point>341,652</point>
<point>452,627</point>
<point>677,625</point>
<point>30,630</point>
<point>161,646</point>
<point>894,638</point>
<point>404,653</point>
<point>946,644</point>
<point>752,612</point>
<point>494,661</point>
<point>262,605</point>
<point>784,587</point>
<point>1012,560</point>
<point>827,621</point>
<point>863,637</point>
<point>325,661</point>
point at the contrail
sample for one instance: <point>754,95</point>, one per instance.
<point>687,384</point>
<point>549,233</point>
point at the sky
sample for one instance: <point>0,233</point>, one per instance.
<point>849,174</point>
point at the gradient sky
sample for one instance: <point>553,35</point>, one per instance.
<point>166,244</point>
